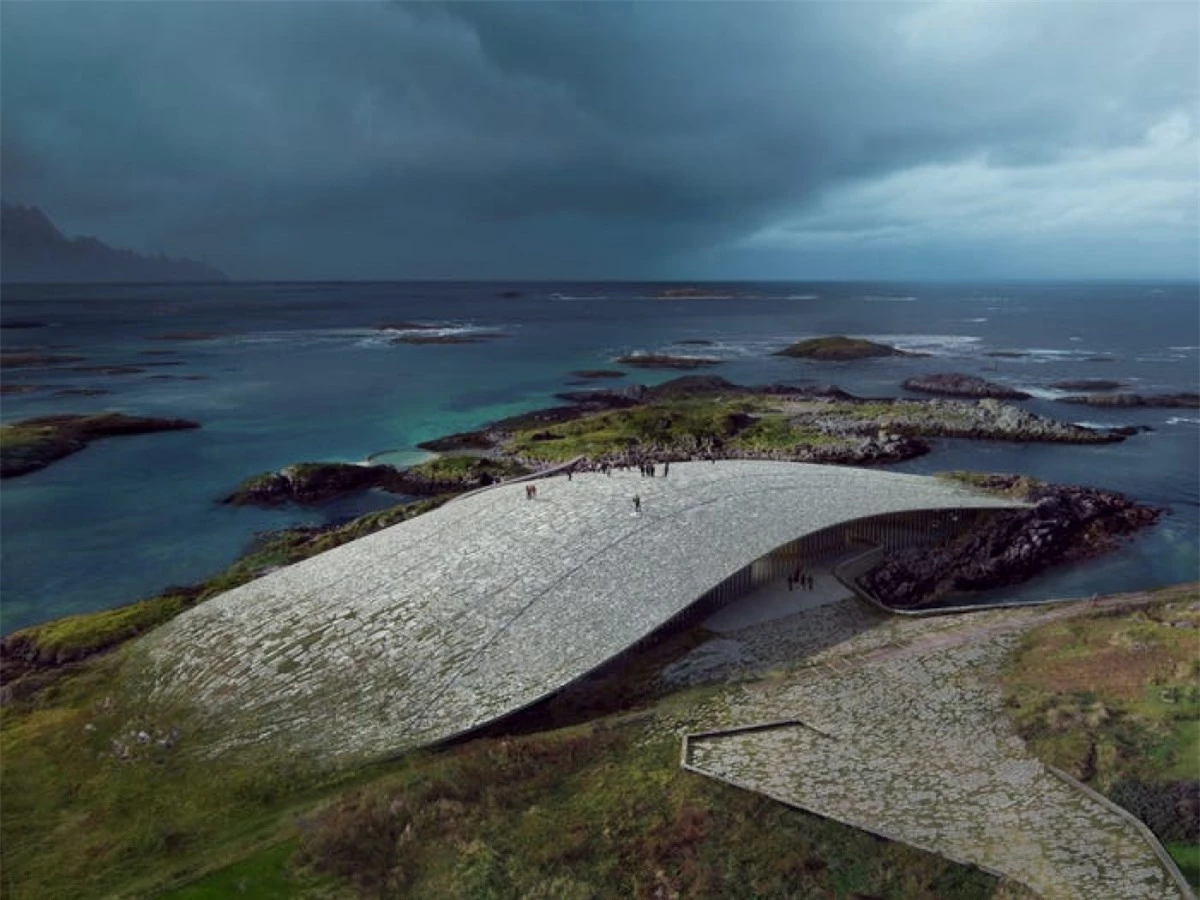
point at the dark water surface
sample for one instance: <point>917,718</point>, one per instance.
<point>300,372</point>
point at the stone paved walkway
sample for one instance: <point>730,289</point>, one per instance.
<point>909,740</point>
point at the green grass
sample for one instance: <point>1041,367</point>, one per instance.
<point>600,812</point>
<point>459,468</point>
<point>682,426</point>
<point>1113,700</point>
<point>89,810</point>
<point>599,809</point>
<point>1187,857</point>
<point>74,637</point>
<point>266,875</point>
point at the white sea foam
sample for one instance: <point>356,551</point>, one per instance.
<point>1184,349</point>
<point>977,319</point>
<point>734,349</point>
<point>573,298</point>
<point>697,297</point>
<point>1097,426</point>
<point>1183,420</point>
<point>1043,393</point>
<point>1047,354</point>
<point>883,298</point>
<point>370,338</point>
<point>934,344</point>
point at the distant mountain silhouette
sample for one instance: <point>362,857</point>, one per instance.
<point>32,249</point>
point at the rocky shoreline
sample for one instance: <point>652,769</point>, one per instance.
<point>1065,524</point>
<point>691,417</point>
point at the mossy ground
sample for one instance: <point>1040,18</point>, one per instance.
<point>1113,700</point>
<point>684,426</point>
<point>466,467</point>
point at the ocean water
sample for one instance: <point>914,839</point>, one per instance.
<point>302,372</point>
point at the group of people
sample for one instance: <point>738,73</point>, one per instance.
<point>647,470</point>
<point>801,578</point>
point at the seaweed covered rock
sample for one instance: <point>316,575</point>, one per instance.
<point>1065,523</point>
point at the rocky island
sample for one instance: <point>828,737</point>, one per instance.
<point>691,417</point>
<point>839,347</point>
<point>954,384</point>
<point>1123,400</point>
<point>33,444</point>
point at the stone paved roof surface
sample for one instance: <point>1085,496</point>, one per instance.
<point>442,623</point>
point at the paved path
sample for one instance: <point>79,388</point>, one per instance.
<point>904,735</point>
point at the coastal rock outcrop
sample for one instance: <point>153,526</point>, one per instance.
<point>979,420</point>
<point>317,482</point>
<point>307,483</point>
<point>1123,400</point>
<point>1065,524</point>
<point>33,444</point>
<point>954,384</point>
<point>839,347</point>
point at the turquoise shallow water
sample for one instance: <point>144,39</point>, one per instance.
<point>301,372</point>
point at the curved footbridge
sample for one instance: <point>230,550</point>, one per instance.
<point>435,626</point>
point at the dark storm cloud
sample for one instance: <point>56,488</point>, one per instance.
<point>558,139</point>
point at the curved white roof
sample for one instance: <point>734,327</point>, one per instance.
<point>440,624</point>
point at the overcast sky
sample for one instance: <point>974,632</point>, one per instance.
<point>672,140</point>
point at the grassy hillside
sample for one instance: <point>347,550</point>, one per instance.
<point>1114,700</point>
<point>600,809</point>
